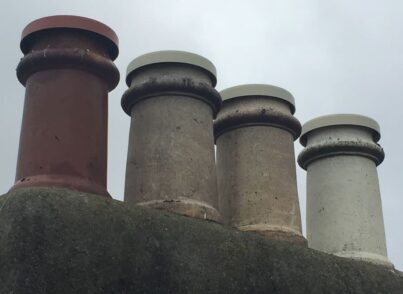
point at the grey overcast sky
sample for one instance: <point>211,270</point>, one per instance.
<point>334,56</point>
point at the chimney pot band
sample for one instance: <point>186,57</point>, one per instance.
<point>171,56</point>
<point>256,105</point>
<point>366,256</point>
<point>49,180</point>
<point>256,117</point>
<point>276,232</point>
<point>167,85</point>
<point>340,120</point>
<point>68,58</point>
<point>70,22</point>
<point>328,149</point>
<point>184,206</point>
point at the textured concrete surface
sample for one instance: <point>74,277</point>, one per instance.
<point>170,163</point>
<point>344,209</point>
<point>256,166</point>
<point>61,241</point>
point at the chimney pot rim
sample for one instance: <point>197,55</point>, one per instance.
<point>171,56</point>
<point>70,22</point>
<point>342,119</point>
<point>259,90</point>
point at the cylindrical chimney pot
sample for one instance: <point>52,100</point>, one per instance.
<point>67,71</point>
<point>255,132</point>
<point>172,102</point>
<point>344,210</point>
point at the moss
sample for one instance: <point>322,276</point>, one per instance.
<point>62,241</point>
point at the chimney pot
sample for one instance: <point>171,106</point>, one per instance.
<point>172,101</point>
<point>344,210</point>
<point>255,132</point>
<point>67,71</point>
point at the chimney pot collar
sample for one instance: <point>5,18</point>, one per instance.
<point>340,120</point>
<point>171,56</point>
<point>70,22</point>
<point>258,90</point>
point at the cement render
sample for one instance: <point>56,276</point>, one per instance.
<point>63,241</point>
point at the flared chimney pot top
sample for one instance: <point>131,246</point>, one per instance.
<point>259,90</point>
<point>171,56</point>
<point>340,120</point>
<point>70,22</point>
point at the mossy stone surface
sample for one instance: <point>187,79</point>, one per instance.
<point>62,241</point>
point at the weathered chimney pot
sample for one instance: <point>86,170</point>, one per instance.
<point>255,132</point>
<point>67,71</point>
<point>344,210</point>
<point>172,102</point>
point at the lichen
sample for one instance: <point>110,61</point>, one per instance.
<point>61,241</point>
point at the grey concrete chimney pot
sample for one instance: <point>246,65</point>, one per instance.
<point>255,132</point>
<point>170,164</point>
<point>344,209</point>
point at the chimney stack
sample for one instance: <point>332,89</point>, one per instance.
<point>344,210</point>
<point>172,102</point>
<point>67,71</point>
<point>255,132</point>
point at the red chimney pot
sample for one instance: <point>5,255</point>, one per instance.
<point>68,71</point>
